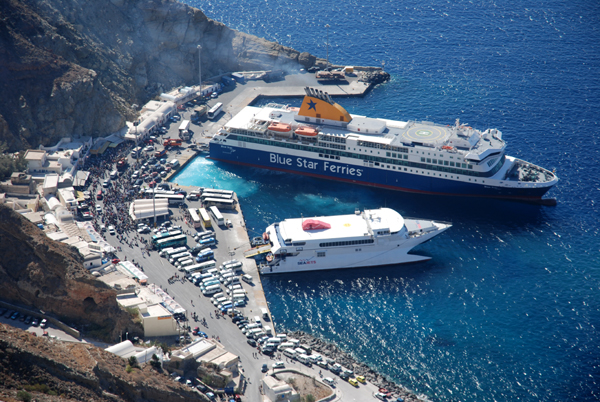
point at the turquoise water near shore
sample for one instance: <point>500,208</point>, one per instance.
<point>508,307</point>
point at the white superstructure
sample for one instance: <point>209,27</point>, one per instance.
<point>371,238</point>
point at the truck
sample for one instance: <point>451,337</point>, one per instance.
<point>184,126</point>
<point>325,76</point>
<point>228,80</point>
<point>122,164</point>
<point>201,110</point>
<point>172,142</point>
<point>160,154</point>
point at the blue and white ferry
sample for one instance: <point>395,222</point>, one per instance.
<point>321,139</point>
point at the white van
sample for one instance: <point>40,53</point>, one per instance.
<point>329,381</point>
<point>296,342</point>
<point>286,345</point>
<point>300,351</point>
<point>314,358</point>
<point>283,337</point>
<point>303,358</point>
<point>265,313</point>
<point>275,340</point>
<point>257,320</point>
<point>247,278</point>
<point>174,163</point>
<point>291,353</point>
<point>114,174</point>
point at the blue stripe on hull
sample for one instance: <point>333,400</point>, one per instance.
<point>367,176</point>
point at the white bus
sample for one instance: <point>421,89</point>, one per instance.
<point>216,191</point>
<point>211,290</point>
<point>216,215</point>
<point>173,251</point>
<point>219,203</point>
<point>205,266</point>
<point>193,269</point>
<point>195,218</point>
<point>210,194</point>
<point>184,263</point>
<point>215,111</point>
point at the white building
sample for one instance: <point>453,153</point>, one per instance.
<point>38,164</point>
<point>278,390</point>
<point>147,209</point>
<point>158,321</point>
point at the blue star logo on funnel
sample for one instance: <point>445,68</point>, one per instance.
<point>312,105</point>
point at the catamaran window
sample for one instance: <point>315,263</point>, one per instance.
<point>320,253</point>
<point>299,243</point>
<point>346,243</point>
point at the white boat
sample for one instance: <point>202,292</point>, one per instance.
<point>371,238</point>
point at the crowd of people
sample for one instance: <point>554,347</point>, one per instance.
<point>116,196</point>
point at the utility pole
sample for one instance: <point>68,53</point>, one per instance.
<point>200,66</point>
<point>327,26</point>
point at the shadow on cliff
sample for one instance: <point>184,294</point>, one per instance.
<point>47,275</point>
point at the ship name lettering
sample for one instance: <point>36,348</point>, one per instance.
<point>333,168</point>
<point>274,158</point>
<point>301,162</point>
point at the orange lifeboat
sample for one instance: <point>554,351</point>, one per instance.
<point>448,147</point>
<point>280,127</point>
<point>306,132</point>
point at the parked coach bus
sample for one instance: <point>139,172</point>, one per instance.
<point>195,218</point>
<point>215,111</point>
<point>175,241</point>
<point>204,217</point>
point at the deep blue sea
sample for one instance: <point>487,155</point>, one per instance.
<point>508,307</point>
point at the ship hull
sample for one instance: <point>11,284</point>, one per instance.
<point>369,176</point>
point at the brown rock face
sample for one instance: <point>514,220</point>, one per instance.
<point>76,67</point>
<point>63,371</point>
<point>47,275</point>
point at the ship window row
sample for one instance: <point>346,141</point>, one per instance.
<point>369,144</point>
<point>330,145</point>
<point>375,159</point>
<point>446,163</point>
<point>346,243</point>
<point>332,138</point>
<point>395,155</point>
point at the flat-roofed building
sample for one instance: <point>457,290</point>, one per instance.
<point>158,321</point>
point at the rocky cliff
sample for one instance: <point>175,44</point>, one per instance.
<point>51,370</point>
<point>77,67</point>
<point>47,275</point>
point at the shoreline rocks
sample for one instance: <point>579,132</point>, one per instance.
<point>329,350</point>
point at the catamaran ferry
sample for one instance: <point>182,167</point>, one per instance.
<point>371,238</point>
<point>321,139</point>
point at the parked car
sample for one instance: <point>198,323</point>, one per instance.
<point>44,323</point>
<point>278,365</point>
<point>111,230</point>
<point>251,342</point>
<point>14,316</point>
<point>264,368</point>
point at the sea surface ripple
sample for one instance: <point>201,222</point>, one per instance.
<point>508,307</point>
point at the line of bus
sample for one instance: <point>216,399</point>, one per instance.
<point>204,217</point>
<point>175,241</point>
<point>219,203</point>
<point>217,191</point>
<point>215,111</point>
<point>195,218</point>
<point>164,235</point>
<point>206,195</point>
